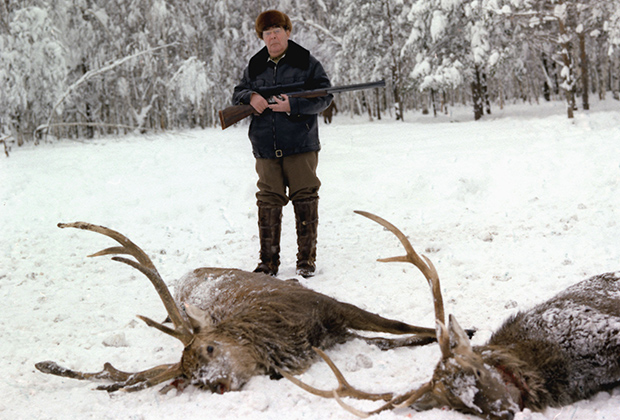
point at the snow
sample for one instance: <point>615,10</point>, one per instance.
<point>511,210</point>
<point>438,24</point>
<point>191,81</point>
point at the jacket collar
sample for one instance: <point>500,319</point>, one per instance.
<point>295,56</point>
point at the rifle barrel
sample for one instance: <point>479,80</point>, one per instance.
<point>338,89</point>
<point>235,113</point>
<point>358,86</point>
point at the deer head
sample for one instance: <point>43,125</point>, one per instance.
<point>207,359</point>
<point>244,324</point>
<point>214,361</point>
<point>461,380</point>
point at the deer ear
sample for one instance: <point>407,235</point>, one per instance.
<point>443,338</point>
<point>197,317</point>
<point>459,341</point>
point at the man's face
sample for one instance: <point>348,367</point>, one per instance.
<point>276,40</point>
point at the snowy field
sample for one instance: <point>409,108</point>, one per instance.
<point>511,210</point>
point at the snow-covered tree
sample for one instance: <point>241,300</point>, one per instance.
<point>452,45</point>
<point>32,70</point>
<point>611,26</point>
<point>83,68</point>
<point>567,30</point>
<point>373,34</point>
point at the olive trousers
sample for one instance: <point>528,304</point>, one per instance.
<point>289,178</point>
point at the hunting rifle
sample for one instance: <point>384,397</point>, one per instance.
<point>235,113</point>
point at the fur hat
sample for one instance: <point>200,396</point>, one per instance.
<point>271,18</point>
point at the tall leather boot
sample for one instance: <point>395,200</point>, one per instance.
<point>306,222</point>
<point>269,228</point>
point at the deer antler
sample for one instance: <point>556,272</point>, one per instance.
<point>132,381</point>
<point>423,264</point>
<point>400,401</point>
<point>182,328</point>
<point>344,388</point>
<point>430,273</point>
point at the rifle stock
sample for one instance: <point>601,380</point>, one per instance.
<point>235,113</point>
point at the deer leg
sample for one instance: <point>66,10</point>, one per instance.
<point>359,319</point>
<point>411,341</point>
<point>392,343</point>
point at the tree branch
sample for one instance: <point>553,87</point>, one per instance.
<point>92,73</point>
<point>320,28</point>
<point>88,124</point>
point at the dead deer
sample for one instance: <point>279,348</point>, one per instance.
<point>235,324</point>
<point>561,351</point>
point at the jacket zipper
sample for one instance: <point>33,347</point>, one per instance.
<point>273,125</point>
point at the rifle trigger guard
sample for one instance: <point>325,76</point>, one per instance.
<point>272,101</point>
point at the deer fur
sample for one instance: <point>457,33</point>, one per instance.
<point>235,324</point>
<point>561,351</point>
<point>558,352</point>
<point>264,322</point>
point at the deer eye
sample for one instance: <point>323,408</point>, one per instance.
<point>210,349</point>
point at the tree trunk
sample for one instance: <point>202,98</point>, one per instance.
<point>485,93</point>
<point>601,71</point>
<point>395,66</point>
<point>398,105</point>
<point>585,73</point>
<point>366,100</point>
<point>567,72</point>
<point>547,83</point>
<point>477,94</point>
<point>614,74</point>
<point>424,98</point>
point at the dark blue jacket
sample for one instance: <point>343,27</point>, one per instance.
<point>278,134</point>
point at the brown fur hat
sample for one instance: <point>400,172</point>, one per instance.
<point>271,18</point>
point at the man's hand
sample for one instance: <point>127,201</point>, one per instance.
<point>258,103</point>
<point>281,105</point>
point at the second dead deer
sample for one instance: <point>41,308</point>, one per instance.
<point>561,351</point>
<point>235,324</point>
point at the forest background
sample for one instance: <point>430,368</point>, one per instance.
<point>83,68</point>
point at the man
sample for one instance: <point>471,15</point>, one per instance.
<point>285,139</point>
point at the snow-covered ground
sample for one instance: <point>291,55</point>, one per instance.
<point>511,210</point>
